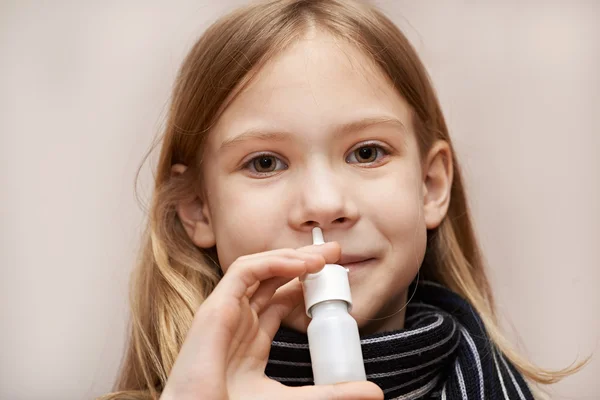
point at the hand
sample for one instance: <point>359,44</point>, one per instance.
<point>226,349</point>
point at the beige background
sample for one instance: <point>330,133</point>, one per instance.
<point>83,89</point>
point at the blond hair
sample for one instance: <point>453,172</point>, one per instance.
<point>173,276</point>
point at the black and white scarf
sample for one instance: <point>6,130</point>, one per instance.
<point>443,352</point>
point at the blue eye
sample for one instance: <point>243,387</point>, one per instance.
<point>265,164</point>
<point>366,154</point>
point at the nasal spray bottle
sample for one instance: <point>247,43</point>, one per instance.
<point>333,338</point>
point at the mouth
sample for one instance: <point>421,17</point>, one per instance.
<point>353,262</point>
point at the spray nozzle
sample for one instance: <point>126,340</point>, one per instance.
<point>317,235</point>
<point>331,283</point>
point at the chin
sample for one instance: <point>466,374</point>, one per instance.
<point>376,318</point>
<point>370,318</point>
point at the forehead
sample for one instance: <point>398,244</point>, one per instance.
<point>319,82</point>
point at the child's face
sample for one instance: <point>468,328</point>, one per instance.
<point>365,186</point>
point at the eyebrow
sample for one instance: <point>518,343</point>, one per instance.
<point>340,130</point>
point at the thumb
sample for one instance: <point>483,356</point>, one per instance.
<point>342,391</point>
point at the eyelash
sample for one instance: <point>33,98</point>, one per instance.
<point>249,165</point>
<point>383,150</point>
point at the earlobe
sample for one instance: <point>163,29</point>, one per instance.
<point>437,184</point>
<point>194,216</point>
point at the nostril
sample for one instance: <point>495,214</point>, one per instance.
<point>314,224</point>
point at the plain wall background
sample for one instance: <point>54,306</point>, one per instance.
<point>83,90</point>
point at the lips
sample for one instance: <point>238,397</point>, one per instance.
<point>354,260</point>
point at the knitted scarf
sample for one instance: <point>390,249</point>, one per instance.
<point>443,352</point>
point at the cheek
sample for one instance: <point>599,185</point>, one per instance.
<point>245,223</point>
<point>399,218</point>
<point>396,204</point>
<point>404,228</point>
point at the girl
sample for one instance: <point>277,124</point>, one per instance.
<point>291,114</point>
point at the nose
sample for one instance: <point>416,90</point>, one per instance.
<point>323,199</point>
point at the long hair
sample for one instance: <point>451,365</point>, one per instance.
<point>173,276</point>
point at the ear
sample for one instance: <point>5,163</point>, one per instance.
<point>194,215</point>
<point>437,183</point>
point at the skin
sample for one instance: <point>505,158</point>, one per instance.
<point>226,348</point>
<point>365,186</point>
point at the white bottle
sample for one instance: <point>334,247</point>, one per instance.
<point>333,339</point>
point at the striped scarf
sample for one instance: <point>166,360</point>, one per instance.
<point>443,352</point>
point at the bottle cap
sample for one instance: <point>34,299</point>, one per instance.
<point>331,283</point>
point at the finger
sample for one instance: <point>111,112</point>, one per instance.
<point>252,289</point>
<point>331,251</point>
<point>270,319</point>
<point>286,252</point>
<point>298,313</point>
<point>291,253</point>
<point>243,274</point>
<point>342,391</point>
<point>280,306</point>
<point>265,291</point>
